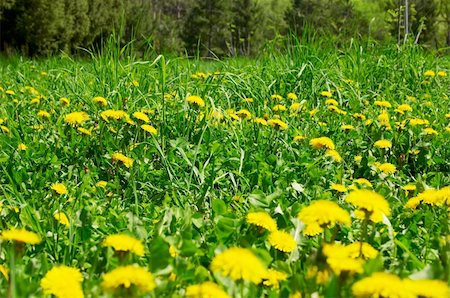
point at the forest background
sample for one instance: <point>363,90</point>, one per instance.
<point>215,28</point>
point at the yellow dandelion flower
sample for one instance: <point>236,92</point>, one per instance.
<point>173,251</point>
<point>244,114</point>
<point>247,100</point>
<point>128,162</point>
<point>150,129</point>
<point>326,94</point>
<point>359,116</point>
<point>299,138</point>
<point>135,83</point>
<point>413,202</point>
<point>282,241</point>
<point>442,73</point>
<point>338,187</point>
<point>336,109</point>
<point>195,101</point>
<point>383,144</point>
<point>101,184</point>
<point>4,271</point>
<point>100,100</point>
<point>363,181</point>
<point>409,187</point>
<point>433,197</point>
<point>141,116</point>
<point>383,118</point>
<point>239,264</point>
<point>358,158</point>
<point>199,75</point>
<point>322,142</point>
<point>43,114</point>
<point>22,147</point>
<point>296,106</point>
<point>84,131</point>
<point>292,96</point>
<point>381,284</point>
<point>233,116</point>
<point>370,202</point>
<point>64,101</point>
<point>429,73</point>
<point>10,92</point>
<point>277,97</point>
<point>339,260</point>
<point>76,118</point>
<point>401,109</point>
<point>172,276</point>
<point>37,127</point>
<point>261,121</point>
<point>322,214</point>
<point>368,252</point>
<point>127,276</point>
<point>418,121</point>
<point>206,290</point>
<point>278,124</point>
<point>274,277</point>
<point>383,103</point>
<point>334,154</point>
<point>313,230</point>
<point>115,115</point>
<point>279,108</point>
<point>61,217</point>
<point>428,288</point>
<point>124,243</point>
<point>347,127</point>
<point>313,112</point>
<point>59,188</point>
<point>20,235</point>
<point>63,282</point>
<point>387,168</point>
<point>263,220</point>
<point>332,102</point>
<point>35,100</point>
<point>429,131</point>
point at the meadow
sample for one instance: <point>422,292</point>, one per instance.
<point>303,172</point>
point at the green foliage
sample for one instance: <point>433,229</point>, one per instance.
<point>187,194</point>
<point>337,17</point>
<point>208,28</point>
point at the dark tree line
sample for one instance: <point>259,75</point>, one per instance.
<point>214,27</point>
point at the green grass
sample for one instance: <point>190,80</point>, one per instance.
<point>193,183</point>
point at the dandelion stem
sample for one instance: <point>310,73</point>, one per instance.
<point>12,276</point>
<point>363,237</point>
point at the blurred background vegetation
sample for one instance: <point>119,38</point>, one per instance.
<point>215,27</point>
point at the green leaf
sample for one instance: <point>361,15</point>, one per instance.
<point>219,207</point>
<point>159,254</point>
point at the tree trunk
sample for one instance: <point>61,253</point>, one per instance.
<point>448,32</point>
<point>406,20</point>
<point>399,21</point>
<point>448,29</point>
